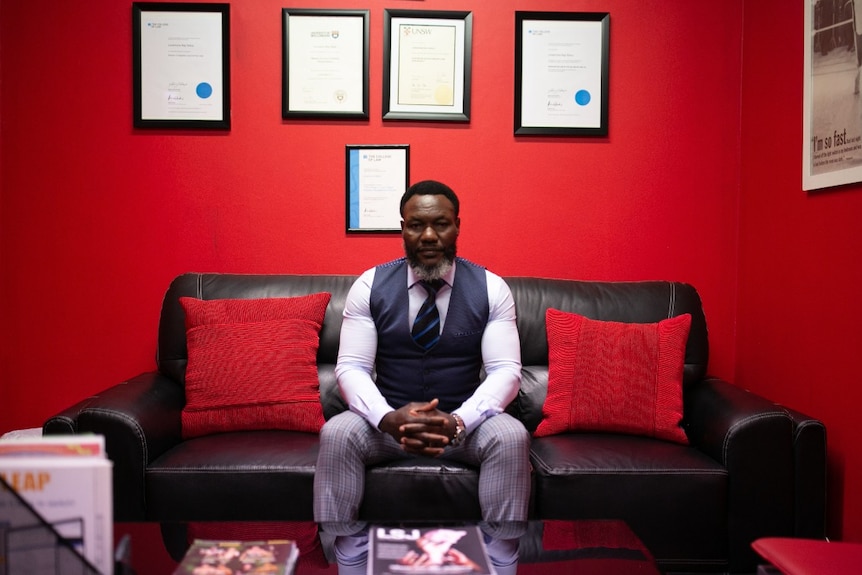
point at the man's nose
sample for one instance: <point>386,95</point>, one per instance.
<point>429,234</point>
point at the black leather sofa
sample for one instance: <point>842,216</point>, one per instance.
<point>753,468</point>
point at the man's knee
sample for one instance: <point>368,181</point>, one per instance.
<point>345,425</point>
<point>507,430</point>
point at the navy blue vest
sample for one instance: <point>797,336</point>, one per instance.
<point>450,370</point>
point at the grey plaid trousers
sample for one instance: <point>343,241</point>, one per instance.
<point>499,447</point>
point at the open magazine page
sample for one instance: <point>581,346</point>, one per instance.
<point>427,551</point>
<point>209,557</point>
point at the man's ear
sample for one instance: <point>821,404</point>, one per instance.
<point>457,224</point>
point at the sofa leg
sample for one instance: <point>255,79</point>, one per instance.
<point>175,539</point>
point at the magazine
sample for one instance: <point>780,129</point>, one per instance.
<point>427,551</point>
<point>210,557</point>
<point>63,445</point>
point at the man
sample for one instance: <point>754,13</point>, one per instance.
<point>427,398</point>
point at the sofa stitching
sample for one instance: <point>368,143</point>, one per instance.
<point>245,469</point>
<point>549,469</point>
<point>655,471</point>
<point>135,425</point>
<point>672,300</point>
<point>728,437</point>
<point>800,427</point>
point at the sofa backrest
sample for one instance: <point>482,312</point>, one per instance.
<point>172,351</point>
<point>629,302</point>
<point>634,302</point>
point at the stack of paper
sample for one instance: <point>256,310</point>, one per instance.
<point>67,481</point>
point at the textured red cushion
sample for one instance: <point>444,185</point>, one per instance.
<point>253,364</point>
<point>615,377</point>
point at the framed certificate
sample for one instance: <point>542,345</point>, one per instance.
<point>377,177</point>
<point>831,123</point>
<point>427,59</point>
<point>181,65</point>
<point>561,73</point>
<point>325,63</point>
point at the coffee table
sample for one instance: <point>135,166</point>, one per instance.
<point>585,547</point>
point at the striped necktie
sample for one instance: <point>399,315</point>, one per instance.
<point>426,327</point>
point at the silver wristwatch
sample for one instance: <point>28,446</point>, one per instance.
<point>460,431</point>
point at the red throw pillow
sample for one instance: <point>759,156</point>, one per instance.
<point>615,377</point>
<point>252,364</point>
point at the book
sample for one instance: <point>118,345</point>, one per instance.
<point>427,551</point>
<point>211,557</point>
<point>67,480</point>
<point>62,445</point>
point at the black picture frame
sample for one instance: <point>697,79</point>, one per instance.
<point>169,101</point>
<point>426,101</point>
<point>335,96</point>
<point>376,176</point>
<point>565,103</point>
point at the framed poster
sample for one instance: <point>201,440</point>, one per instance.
<point>427,62</point>
<point>324,63</point>
<point>376,178</point>
<point>561,73</point>
<point>832,103</point>
<point>181,65</point>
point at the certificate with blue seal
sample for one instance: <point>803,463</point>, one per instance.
<point>561,73</point>
<point>181,65</point>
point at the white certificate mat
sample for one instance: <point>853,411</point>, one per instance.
<point>377,177</point>
<point>181,67</point>
<point>562,81</point>
<point>326,63</point>
<point>428,59</point>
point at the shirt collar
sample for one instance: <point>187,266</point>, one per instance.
<point>449,277</point>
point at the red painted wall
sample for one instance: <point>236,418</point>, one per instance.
<point>98,217</point>
<point>798,336</point>
<point>698,180</point>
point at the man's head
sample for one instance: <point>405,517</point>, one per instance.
<point>430,226</point>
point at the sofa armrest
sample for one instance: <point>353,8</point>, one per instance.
<point>140,420</point>
<point>809,453</point>
<point>66,422</point>
<point>753,439</point>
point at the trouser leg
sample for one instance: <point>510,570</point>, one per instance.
<point>348,444</point>
<point>503,554</point>
<point>500,447</point>
<point>351,552</point>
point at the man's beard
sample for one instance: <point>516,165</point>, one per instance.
<point>435,272</point>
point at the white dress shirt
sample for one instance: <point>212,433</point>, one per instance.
<point>501,349</point>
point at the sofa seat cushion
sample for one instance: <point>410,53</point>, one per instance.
<point>436,489</point>
<point>673,496</point>
<point>265,475</point>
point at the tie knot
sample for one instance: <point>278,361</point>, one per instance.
<point>432,286</point>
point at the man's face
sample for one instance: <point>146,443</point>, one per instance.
<point>430,230</point>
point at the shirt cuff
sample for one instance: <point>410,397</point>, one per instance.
<point>376,413</point>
